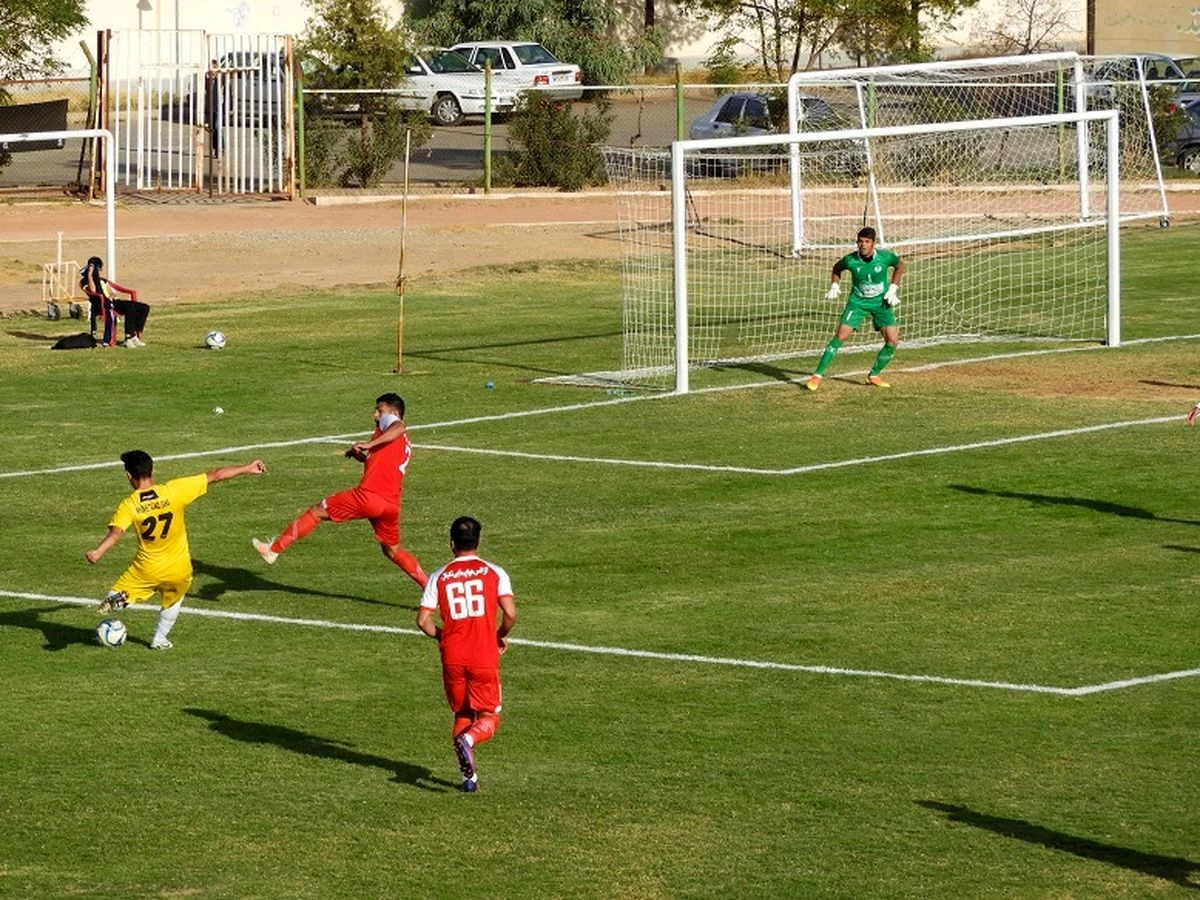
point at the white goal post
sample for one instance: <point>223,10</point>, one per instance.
<point>9,141</point>
<point>990,216</point>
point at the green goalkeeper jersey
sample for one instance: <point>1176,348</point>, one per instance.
<point>870,276</point>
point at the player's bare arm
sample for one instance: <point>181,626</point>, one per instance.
<point>360,450</point>
<point>508,619</point>
<point>224,473</point>
<point>114,535</point>
<point>426,623</point>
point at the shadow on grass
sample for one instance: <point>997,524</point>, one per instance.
<point>1175,869</point>
<point>768,370</point>
<point>311,745</point>
<point>34,336</point>
<point>1170,384</point>
<point>1182,548</point>
<point>451,354</point>
<point>57,635</point>
<point>1103,506</point>
<point>232,578</point>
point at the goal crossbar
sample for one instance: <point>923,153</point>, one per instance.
<point>110,175</point>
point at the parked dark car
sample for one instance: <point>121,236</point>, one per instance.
<point>1185,149</point>
<point>747,113</point>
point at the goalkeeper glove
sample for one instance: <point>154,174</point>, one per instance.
<point>892,297</point>
<point>835,291</point>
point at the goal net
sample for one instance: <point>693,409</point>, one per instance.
<point>986,88</point>
<point>1007,227</point>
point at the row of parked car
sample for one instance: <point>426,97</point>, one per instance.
<point>748,112</point>
<point>448,83</point>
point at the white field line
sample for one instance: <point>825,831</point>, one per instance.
<point>638,463</point>
<point>650,654</point>
<point>811,467</point>
<point>574,407</point>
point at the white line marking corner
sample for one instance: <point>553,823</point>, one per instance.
<point>1080,691</point>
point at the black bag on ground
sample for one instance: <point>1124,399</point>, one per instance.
<point>81,341</point>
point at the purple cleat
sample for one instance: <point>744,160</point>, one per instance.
<point>466,761</point>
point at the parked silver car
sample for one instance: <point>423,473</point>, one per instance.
<point>524,65</point>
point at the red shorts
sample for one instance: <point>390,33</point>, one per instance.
<point>356,503</point>
<point>472,689</point>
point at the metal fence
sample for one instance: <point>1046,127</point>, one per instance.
<point>47,105</point>
<point>158,89</point>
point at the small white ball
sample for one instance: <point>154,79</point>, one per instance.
<point>217,410</point>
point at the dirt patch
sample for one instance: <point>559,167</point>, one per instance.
<point>1108,376</point>
<point>198,250</point>
<point>184,252</point>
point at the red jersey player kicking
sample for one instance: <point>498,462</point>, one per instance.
<point>466,593</point>
<point>377,498</point>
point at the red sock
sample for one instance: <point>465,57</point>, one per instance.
<point>462,722</point>
<point>409,564</point>
<point>484,729</point>
<point>297,529</point>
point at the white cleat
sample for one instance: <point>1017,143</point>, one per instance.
<point>264,548</point>
<point>161,644</point>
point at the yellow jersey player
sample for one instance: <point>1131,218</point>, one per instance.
<point>163,562</point>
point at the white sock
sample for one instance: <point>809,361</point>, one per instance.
<point>166,621</point>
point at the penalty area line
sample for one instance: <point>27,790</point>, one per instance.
<point>693,658</point>
<point>811,467</point>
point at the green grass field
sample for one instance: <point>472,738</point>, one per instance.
<point>845,627</point>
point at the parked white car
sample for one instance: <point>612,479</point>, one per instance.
<point>448,87</point>
<point>524,65</point>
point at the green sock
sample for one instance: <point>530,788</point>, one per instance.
<point>831,350</point>
<point>884,357</point>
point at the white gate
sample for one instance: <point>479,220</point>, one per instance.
<point>200,112</point>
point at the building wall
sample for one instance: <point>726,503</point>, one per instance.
<point>1135,26</point>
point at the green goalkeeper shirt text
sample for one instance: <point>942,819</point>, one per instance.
<point>870,276</point>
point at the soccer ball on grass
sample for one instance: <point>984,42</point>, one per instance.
<point>111,633</point>
<point>215,340</point>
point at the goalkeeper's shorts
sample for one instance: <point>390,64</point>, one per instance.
<point>857,309</point>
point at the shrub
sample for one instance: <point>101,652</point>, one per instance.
<point>359,152</point>
<point>552,146</point>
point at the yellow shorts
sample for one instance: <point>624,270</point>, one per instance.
<point>140,587</point>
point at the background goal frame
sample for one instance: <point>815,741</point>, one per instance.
<point>110,171</point>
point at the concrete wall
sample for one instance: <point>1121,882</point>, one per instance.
<point>1135,26</point>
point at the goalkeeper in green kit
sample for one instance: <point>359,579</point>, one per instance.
<point>875,275</point>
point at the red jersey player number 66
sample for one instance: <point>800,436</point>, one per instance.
<point>464,599</point>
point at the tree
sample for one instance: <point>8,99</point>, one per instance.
<point>1024,26</point>
<point>28,31</point>
<point>792,34</point>
<point>354,44</point>
<point>351,44</point>
<point>789,35</point>
<point>596,35</point>
<point>923,20</point>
